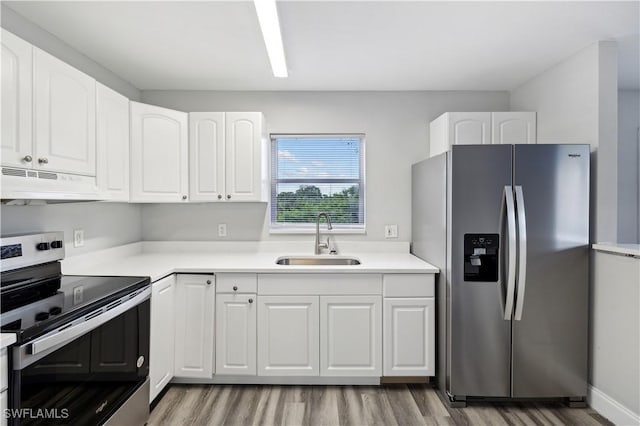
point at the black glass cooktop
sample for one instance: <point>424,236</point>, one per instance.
<point>35,303</point>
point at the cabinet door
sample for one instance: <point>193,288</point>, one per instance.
<point>195,297</point>
<point>112,131</point>
<point>243,145</point>
<point>469,128</point>
<point>236,334</point>
<point>159,154</point>
<point>17,101</point>
<point>65,117</point>
<point>288,336</point>
<point>206,156</point>
<point>4,402</point>
<point>513,127</point>
<point>409,337</point>
<point>161,349</point>
<point>351,336</point>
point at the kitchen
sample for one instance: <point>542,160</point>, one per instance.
<point>572,88</point>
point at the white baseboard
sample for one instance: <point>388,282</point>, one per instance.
<point>610,408</point>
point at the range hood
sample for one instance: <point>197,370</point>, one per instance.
<point>27,186</point>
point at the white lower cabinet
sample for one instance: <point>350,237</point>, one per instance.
<point>288,336</point>
<point>409,336</point>
<point>351,335</point>
<point>4,402</point>
<point>162,339</point>
<point>194,326</point>
<point>236,334</point>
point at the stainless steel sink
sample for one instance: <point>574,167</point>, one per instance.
<point>316,260</point>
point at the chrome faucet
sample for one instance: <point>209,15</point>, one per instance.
<point>319,246</point>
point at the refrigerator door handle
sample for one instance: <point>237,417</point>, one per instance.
<point>522,252</point>
<point>511,264</point>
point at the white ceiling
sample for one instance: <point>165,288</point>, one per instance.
<point>339,45</point>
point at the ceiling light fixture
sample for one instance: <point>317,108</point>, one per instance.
<point>268,18</point>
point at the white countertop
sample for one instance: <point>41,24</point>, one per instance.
<point>158,260</point>
<point>618,248</point>
<point>7,339</point>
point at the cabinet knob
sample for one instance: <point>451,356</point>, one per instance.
<point>235,288</point>
<point>250,300</point>
<point>184,197</point>
<point>27,158</point>
<point>43,160</point>
<point>229,197</point>
<point>208,282</point>
<point>219,196</point>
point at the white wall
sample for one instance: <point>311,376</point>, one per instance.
<point>628,166</point>
<point>615,335</point>
<point>105,224</point>
<point>576,102</point>
<point>396,128</point>
<point>25,29</point>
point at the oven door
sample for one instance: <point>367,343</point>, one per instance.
<point>86,371</point>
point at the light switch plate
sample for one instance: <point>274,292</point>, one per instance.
<point>391,231</point>
<point>222,230</point>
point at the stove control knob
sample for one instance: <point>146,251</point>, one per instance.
<point>42,246</point>
<point>56,244</point>
<point>41,316</point>
<point>56,310</point>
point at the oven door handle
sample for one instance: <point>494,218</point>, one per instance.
<point>33,351</point>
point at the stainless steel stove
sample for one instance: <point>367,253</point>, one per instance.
<point>82,350</point>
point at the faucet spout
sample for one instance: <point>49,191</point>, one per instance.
<point>318,245</point>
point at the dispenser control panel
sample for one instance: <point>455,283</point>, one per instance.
<point>481,257</point>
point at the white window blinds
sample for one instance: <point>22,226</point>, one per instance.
<point>317,173</point>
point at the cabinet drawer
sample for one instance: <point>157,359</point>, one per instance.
<point>319,284</point>
<point>408,285</point>
<point>236,283</point>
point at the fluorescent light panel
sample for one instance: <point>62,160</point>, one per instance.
<point>270,26</point>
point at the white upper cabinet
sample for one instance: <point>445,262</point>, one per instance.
<point>469,128</point>
<point>245,174</point>
<point>206,156</point>
<point>112,125</point>
<point>228,156</point>
<point>159,154</point>
<point>17,101</point>
<point>513,127</point>
<point>65,117</point>
<point>479,128</point>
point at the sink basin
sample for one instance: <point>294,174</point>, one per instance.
<point>316,260</point>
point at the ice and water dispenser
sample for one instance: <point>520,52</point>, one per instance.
<point>481,257</point>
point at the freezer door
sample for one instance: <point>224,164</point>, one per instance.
<point>479,337</point>
<point>550,325</point>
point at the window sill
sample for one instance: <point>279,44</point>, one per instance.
<point>323,231</point>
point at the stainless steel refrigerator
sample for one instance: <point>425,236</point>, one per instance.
<point>508,226</point>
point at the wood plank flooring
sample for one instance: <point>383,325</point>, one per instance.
<point>387,405</point>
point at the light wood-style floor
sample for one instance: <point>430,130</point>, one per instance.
<point>387,405</point>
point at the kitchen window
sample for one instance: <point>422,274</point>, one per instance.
<point>317,173</point>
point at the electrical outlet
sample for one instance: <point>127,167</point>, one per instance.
<point>78,237</point>
<point>222,230</point>
<point>391,231</point>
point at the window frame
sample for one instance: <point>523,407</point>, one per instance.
<point>309,228</point>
